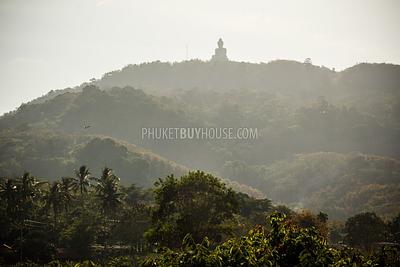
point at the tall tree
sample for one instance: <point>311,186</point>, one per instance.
<point>8,191</point>
<point>28,186</point>
<point>82,179</point>
<point>394,228</point>
<point>108,192</point>
<point>66,187</point>
<point>364,229</point>
<point>55,199</point>
<point>28,191</point>
<point>197,204</point>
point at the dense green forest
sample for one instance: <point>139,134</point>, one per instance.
<point>324,166</point>
<point>194,220</point>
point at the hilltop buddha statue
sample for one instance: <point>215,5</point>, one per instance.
<point>220,52</point>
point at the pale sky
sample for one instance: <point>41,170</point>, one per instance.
<point>53,44</point>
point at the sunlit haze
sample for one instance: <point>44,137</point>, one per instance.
<point>50,44</point>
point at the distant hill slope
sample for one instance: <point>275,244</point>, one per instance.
<point>284,77</point>
<point>339,184</point>
<point>53,155</point>
<point>121,113</point>
<point>370,88</point>
<point>277,75</point>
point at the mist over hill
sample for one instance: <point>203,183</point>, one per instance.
<point>339,184</point>
<point>298,108</point>
<point>51,155</point>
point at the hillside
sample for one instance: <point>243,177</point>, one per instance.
<point>297,109</point>
<point>52,155</point>
<point>284,130</point>
<point>299,82</point>
<point>338,184</point>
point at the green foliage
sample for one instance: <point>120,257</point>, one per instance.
<point>341,185</point>
<point>364,229</point>
<point>108,192</point>
<point>112,262</point>
<point>40,221</point>
<point>253,210</point>
<point>197,203</point>
<point>306,219</point>
<point>105,226</point>
<point>82,179</point>
<point>284,245</point>
<point>81,232</point>
<point>394,229</point>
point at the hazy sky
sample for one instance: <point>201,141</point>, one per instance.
<point>55,44</point>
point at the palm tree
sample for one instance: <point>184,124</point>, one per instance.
<point>28,190</point>
<point>28,187</point>
<point>108,192</point>
<point>110,198</point>
<point>8,195</point>
<point>55,199</point>
<point>81,181</point>
<point>66,187</point>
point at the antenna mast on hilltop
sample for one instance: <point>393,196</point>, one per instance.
<point>187,52</point>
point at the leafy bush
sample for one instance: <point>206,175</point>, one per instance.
<point>285,245</point>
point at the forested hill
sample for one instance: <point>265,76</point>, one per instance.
<point>369,90</point>
<point>339,184</point>
<point>301,82</point>
<point>284,130</point>
<point>297,108</point>
<point>220,76</point>
<point>278,75</point>
<point>52,155</point>
<point>282,77</point>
